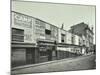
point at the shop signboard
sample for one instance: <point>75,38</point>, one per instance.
<point>39,29</point>
<point>22,20</point>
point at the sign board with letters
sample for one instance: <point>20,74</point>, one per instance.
<point>22,20</point>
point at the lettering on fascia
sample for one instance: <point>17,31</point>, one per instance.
<point>22,20</point>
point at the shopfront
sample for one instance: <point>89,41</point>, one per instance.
<point>47,51</point>
<point>23,55</point>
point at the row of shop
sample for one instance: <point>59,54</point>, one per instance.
<point>29,54</point>
<point>35,41</point>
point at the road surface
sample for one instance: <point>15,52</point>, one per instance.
<point>79,63</point>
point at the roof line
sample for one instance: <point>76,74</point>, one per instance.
<point>38,19</point>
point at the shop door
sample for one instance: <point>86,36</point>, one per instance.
<point>49,55</point>
<point>30,56</point>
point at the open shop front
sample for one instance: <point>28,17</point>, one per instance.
<point>47,52</point>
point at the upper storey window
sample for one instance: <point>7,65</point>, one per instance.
<point>62,38</point>
<point>17,35</point>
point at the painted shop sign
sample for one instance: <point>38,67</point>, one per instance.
<point>28,37</point>
<point>22,20</point>
<point>61,48</point>
<point>39,29</point>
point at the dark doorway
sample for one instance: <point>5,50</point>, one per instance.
<point>49,55</point>
<point>30,55</point>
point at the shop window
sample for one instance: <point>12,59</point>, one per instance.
<point>43,52</point>
<point>48,32</point>
<point>54,53</point>
<point>17,35</point>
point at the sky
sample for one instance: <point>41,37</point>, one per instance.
<point>57,14</point>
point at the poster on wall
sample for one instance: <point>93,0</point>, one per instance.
<point>52,37</point>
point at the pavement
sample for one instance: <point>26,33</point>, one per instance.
<point>86,62</point>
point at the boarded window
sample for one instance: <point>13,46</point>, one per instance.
<point>17,35</point>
